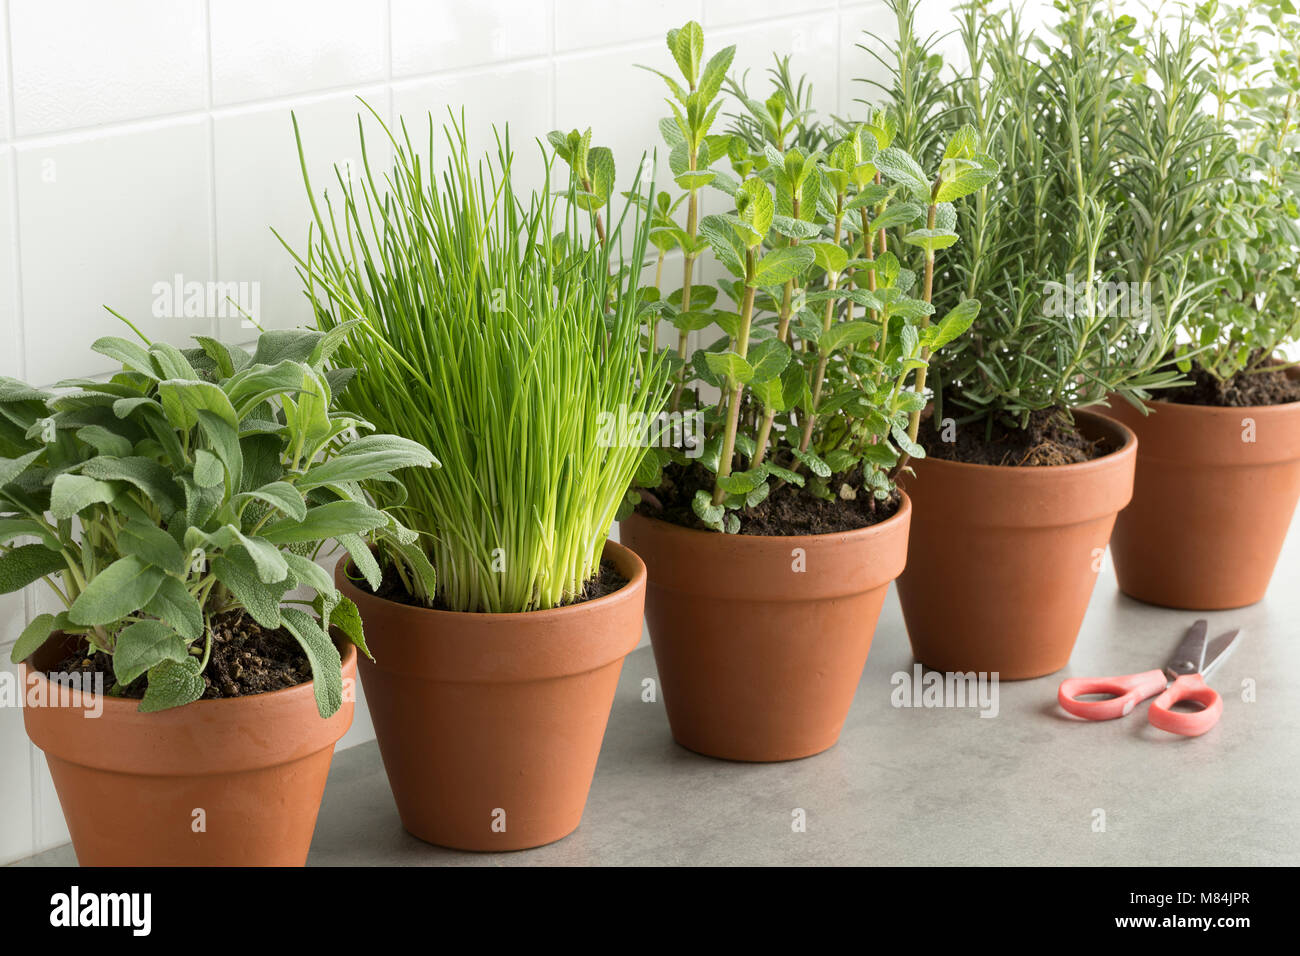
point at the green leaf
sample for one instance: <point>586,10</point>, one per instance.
<point>173,684</point>
<point>346,616</point>
<point>709,513</point>
<point>904,441</point>
<point>829,256</point>
<point>754,210</point>
<point>280,495</point>
<point>28,563</point>
<point>769,359</point>
<point>209,472</point>
<point>309,573</point>
<point>326,521</point>
<point>930,239</point>
<point>12,528</point>
<point>963,144</point>
<point>152,545</point>
<point>783,264</point>
<point>105,442</point>
<point>181,401</point>
<point>145,473</point>
<point>174,604</point>
<point>11,468</point>
<point>132,356</point>
<point>897,165</point>
<point>143,645</point>
<point>729,365</point>
<point>687,47</point>
<point>286,345</point>
<point>235,569</point>
<point>815,464</point>
<point>957,321</point>
<point>363,558</point>
<point>121,589</point>
<point>34,635</point>
<point>326,665</point>
<point>72,494</point>
<point>715,72</point>
<point>224,442</point>
<point>363,464</point>
<point>846,333</point>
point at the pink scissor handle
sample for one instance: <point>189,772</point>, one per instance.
<point>1192,724</point>
<point>1129,690</point>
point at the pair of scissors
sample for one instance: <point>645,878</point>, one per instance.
<point>1182,679</point>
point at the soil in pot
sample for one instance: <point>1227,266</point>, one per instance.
<point>606,581</point>
<point>787,511</point>
<point>1003,558</point>
<point>1049,438</point>
<point>1242,390</point>
<point>246,659</point>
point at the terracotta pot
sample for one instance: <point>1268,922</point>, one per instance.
<point>760,641</point>
<point>234,782</point>
<point>1210,510</point>
<point>1003,560</point>
<point>490,724</point>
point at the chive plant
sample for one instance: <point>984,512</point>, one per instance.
<point>496,328</point>
<point>825,325</point>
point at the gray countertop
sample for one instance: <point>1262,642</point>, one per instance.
<point>930,786</point>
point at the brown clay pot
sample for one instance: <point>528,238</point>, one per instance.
<point>1003,560</point>
<point>759,661</point>
<point>490,725</point>
<point>1210,511</point>
<point>131,784</point>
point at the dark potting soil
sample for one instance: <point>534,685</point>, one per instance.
<point>246,659</point>
<point>787,511</point>
<point>1263,388</point>
<point>606,581</point>
<point>1050,438</point>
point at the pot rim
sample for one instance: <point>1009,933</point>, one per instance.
<point>1128,447</point>
<point>626,593</point>
<point>871,530</point>
<point>349,656</point>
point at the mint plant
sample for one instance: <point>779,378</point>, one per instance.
<point>827,320</point>
<point>192,484</point>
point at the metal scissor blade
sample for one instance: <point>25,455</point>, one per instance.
<point>1217,651</point>
<point>1190,655</point>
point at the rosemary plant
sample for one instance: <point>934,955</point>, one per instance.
<point>1081,250</point>
<point>497,329</point>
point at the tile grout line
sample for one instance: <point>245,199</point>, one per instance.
<point>214,261</point>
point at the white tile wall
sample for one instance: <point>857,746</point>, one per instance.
<point>148,138</point>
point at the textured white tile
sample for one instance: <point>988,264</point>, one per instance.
<point>259,187</point>
<point>581,24</point>
<point>84,62</point>
<point>16,777</point>
<point>262,50</point>
<point>4,71</point>
<point>730,12</point>
<point>811,42</point>
<point>103,220</point>
<point>435,35</point>
<point>10,358</point>
<point>519,97</point>
<point>857,65</point>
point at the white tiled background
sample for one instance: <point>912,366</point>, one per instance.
<point>141,139</point>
